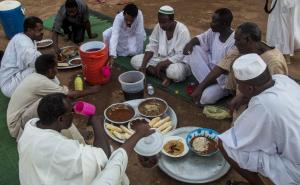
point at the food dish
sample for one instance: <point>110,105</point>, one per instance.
<point>119,113</point>
<point>134,103</point>
<point>138,120</point>
<point>203,141</point>
<point>174,146</point>
<point>69,51</point>
<point>75,61</point>
<point>153,107</point>
<point>44,43</point>
<point>191,168</point>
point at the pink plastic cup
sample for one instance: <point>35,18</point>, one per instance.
<point>106,71</point>
<point>84,108</point>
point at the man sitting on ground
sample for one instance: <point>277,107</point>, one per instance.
<point>206,51</point>
<point>73,14</point>
<point>126,36</point>
<point>20,55</point>
<point>265,138</point>
<point>164,53</point>
<point>47,157</point>
<point>247,40</point>
<point>23,103</point>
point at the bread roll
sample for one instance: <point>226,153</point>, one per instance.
<point>158,124</point>
<point>113,128</point>
<point>127,136</point>
<point>166,130</point>
<point>165,125</point>
<point>126,130</point>
<point>119,135</point>
<point>153,121</point>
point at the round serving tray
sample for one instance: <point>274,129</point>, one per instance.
<point>193,168</point>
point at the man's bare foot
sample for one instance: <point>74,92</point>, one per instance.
<point>166,82</point>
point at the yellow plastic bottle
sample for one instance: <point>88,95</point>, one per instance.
<point>78,83</point>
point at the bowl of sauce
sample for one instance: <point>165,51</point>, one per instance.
<point>119,113</point>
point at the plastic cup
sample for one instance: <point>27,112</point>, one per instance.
<point>106,71</point>
<point>84,108</point>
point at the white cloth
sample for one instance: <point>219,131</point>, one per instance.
<point>17,62</point>
<point>164,49</point>
<point>124,40</point>
<point>46,157</point>
<point>205,57</point>
<point>30,90</point>
<point>265,137</point>
<point>176,71</point>
<point>297,24</point>
<point>282,24</point>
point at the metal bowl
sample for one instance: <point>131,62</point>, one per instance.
<point>153,107</point>
<point>202,132</point>
<point>114,114</point>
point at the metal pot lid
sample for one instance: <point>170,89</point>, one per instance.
<point>149,146</point>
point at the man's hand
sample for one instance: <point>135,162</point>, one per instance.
<point>111,61</point>
<point>236,102</point>
<point>197,94</point>
<point>143,130</point>
<point>95,120</point>
<point>188,49</point>
<point>162,66</point>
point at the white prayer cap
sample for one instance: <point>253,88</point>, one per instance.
<point>168,10</point>
<point>248,67</point>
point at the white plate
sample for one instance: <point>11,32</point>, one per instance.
<point>182,140</point>
<point>74,65</point>
<point>193,168</point>
<point>134,103</point>
<point>43,41</point>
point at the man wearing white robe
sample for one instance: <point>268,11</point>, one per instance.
<point>265,137</point>
<point>24,101</point>
<point>20,55</point>
<point>283,26</point>
<point>206,50</point>
<point>46,157</point>
<point>126,36</point>
<point>164,53</point>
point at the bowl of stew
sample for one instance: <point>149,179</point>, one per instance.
<point>119,113</point>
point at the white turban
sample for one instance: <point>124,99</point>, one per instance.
<point>248,67</point>
<point>168,10</point>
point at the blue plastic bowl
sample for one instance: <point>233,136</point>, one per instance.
<point>204,132</point>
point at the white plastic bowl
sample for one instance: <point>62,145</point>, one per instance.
<point>182,140</point>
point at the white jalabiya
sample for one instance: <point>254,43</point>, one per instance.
<point>124,40</point>
<point>265,137</point>
<point>46,157</point>
<point>297,25</point>
<point>164,49</point>
<point>283,26</point>
<point>17,62</point>
<point>204,58</point>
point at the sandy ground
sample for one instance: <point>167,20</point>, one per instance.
<point>196,14</point>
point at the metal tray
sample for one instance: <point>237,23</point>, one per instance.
<point>193,168</point>
<point>69,60</point>
<point>50,42</point>
<point>134,103</point>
